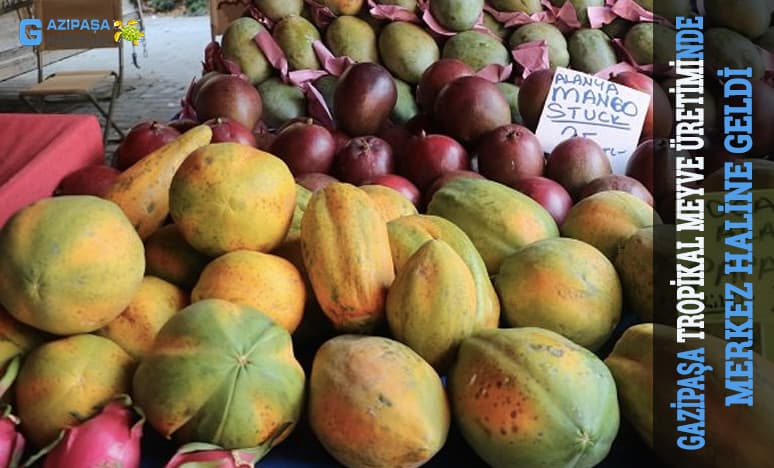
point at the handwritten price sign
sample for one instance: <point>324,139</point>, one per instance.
<point>579,104</point>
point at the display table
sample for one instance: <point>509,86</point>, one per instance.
<point>37,150</point>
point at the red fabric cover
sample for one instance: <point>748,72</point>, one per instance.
<point>38,150</point>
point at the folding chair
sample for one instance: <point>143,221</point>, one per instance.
<point>81,83</point>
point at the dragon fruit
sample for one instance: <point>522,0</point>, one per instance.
<point>212,456</point>
<point>107,439</point>
<point>11,441</point>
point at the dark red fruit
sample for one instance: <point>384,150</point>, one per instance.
<point>510,153</point>
<point>363,158</point>
<point>143,138</point>
<point>305,147</point>
<point>532,96</point>
<point>225,130</point>
<point>401,184</point>
<point>435,77</point>
<point>315,181</point>
<point>229,96</point>
<point>618,182</point>
<point>469,107</point>
<point>427,157</point>
<point>551,196</point>
<point>90,180</point>
<point>576,162</point>
<point>364,97</point>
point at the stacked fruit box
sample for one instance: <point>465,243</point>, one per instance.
<point>356,244</point>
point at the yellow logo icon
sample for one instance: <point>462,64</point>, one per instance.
<point>129,32</point>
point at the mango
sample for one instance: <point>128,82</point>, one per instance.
<point>456,15</point>
<point>591,51</point>
<point>558,56</point>
<point>407,50</point>
<point>352,37</point>
<point>497,28</point>
<point>476,49</point>
<point>281,102</point>
<point>406,105</point>
<point>727,48</point>
<point>238,45</point>
<point>295,35</point>
<point>511,92</point>
<point>278,9</point>
<point>525,6</point>
<point>748,17</point>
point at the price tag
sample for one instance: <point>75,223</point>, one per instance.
<point>583,105</point>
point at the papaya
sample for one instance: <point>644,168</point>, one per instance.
<point>390,203</point>
<point>263,281</point>
<point>65,381</point>
<point>530,397</point>
<point>496,218</point>
<point>142,191</point>
<point>431,305</point>
<point>374,402</point>
<point>223,374</point>
<point>607,218</point>
<point>346,252</point>
<point>562,285</point>
<point>136,327</point>
<point>238,45</point>
<point>409,233</point>
<point>168,256</point>
<point>222,189</point>
<point>16,338</point>
<point>303,195</point>
<point>69,264</point>
<point>739,435</point>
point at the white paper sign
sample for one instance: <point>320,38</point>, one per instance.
<point>579,104</point>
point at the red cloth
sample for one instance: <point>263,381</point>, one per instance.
<point>37,150</point>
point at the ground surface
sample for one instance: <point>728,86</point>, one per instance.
<point>175,49</point>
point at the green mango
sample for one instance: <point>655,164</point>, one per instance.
<point>352,37</point>
<point>281,102</point>
<point>647,4</point>
<point>591,51</point>
<point>674,8</point>
<point>525,6</point>
<point>557,45</point>
<point>580,7</point>
<point>456,15</point>
<point>748,17</point>
<point>278,9</point>
<point>497,28</point>
<point>617,28</point>
<point>767,40</point>
<point>238,45</point>
<point>476,49</point>
<point>727,48</point>
<point>407,50</point>
<point>295,36</point>
<point>511,92</point>
<point>410,5</point>
<point>405,106</point>
<point>326,85</point>
<point>651,43</point>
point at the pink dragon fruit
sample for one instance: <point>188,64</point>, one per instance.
<point>107,439</point>
<point>11,441</point>
<point>215,457</point>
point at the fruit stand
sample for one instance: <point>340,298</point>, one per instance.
<point>378,233</point>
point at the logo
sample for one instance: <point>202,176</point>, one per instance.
<point>129,33</point>
<point>31,29</point>
<point>30,33</point>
